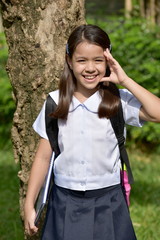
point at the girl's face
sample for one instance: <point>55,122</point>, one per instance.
<point>88,64</point>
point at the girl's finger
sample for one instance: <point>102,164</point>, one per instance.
<point>30,229</point>
<point>33,229</point>
<point>31,232</point>
<point>107,53</point>
<point>109,57</point>
<point>105,79</point>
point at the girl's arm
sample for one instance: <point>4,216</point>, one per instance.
<point>37,176</point>
<point>150,110</point>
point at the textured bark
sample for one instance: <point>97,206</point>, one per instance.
<point>158,12</point>
<point>142,8</point>
<point>128,8</point>
<point>1,26</point>
<point>36,33</point>
<point>150,9</point>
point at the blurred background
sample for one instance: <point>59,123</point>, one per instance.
<point>134,30</point>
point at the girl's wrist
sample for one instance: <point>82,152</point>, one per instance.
<point>28,204</point>
<point>126,82</point>
<point>28,208</point>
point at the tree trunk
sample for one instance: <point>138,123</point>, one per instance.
<point>142,8</point>
<point>36,33</point>
<point>158,12</point>
<point>128,8</point>
<point>1,26</point>
<point>150,9</point>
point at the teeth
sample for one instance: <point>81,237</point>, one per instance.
<point>90,77</point>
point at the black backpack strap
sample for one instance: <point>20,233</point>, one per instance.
<point>52,125</point>
<point>118,123</point>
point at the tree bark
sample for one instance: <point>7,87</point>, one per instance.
<point>128,8</point>
<point>158,12</point>
<point>36,33</point>
<point>1,26</point>
<point>142,8</point>
<point>150,9</point>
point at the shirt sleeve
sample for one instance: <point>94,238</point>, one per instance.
<point>131,107</point>
<point>39,125</point>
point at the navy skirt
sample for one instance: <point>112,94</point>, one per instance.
<point>92,215</point>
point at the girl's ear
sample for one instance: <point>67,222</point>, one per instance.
<point>69,61</point>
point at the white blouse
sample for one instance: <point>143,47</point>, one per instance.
<point>89,157</point>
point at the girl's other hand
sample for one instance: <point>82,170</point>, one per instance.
<point>30,216</point>
<point>117,76</point>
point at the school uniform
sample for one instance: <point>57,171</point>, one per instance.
<point>86,201</point>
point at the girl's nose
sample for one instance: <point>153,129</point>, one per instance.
<point>90,67</point>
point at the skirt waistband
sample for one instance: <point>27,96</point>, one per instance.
<point>89,193</point>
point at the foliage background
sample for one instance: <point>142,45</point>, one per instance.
<point>135,44</point>
<point>7,105</point>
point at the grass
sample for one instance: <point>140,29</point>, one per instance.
<point>145,196</point>
<point>10,223</point>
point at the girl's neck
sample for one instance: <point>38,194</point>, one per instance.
<point>83,96</point>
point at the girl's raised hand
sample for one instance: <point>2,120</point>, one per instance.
<point>117,76</point>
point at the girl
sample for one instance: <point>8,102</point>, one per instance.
<point>86,202</point>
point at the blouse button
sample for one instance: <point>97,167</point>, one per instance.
<point>83,183</point>
<point>82,162</point>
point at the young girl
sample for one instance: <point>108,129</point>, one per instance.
<point>86,202</point>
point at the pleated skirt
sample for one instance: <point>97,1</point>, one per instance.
<point>92,215</point>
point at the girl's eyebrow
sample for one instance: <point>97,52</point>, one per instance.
<point>101,57</point>
<point>82,57</point>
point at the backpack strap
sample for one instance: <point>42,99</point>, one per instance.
<point>51,125</point>
<point>118,123</point>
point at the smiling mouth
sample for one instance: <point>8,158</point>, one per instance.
<point>90,77</point>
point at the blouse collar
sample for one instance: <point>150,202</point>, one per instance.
<point>91,103</point>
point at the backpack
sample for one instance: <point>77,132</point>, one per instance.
<point>117,123</point>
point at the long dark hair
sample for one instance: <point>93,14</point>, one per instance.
<point>110,94</point>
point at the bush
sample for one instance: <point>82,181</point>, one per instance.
<point>7,105</point>
<point>135,45</point>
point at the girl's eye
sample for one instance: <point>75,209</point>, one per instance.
<point>81,60</point>
<point>99,60</point>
